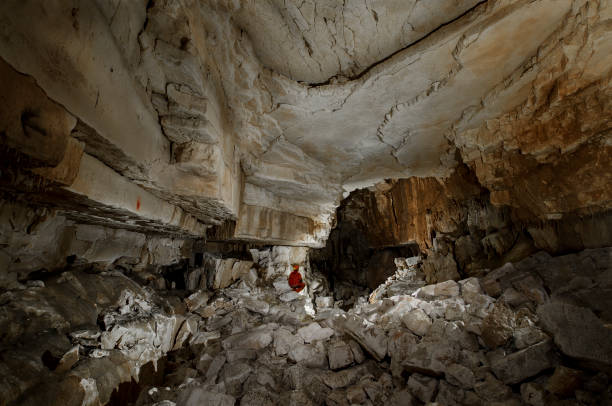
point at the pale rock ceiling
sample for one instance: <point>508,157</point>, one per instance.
<point>313,41</point>
<point>265,113</point>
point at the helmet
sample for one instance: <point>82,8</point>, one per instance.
<point>296,267</point>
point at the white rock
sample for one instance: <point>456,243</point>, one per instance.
<point>455,310</point>
<point>284,340</point>
<point>314,332</point>
<point>417,321</point>
<point>447,288</point>
<point>371,338</point>
<point>324,302</point>
<point>281,285</point>
<point>256,305</point>
<point>289,296</point>
<point>470,288</point>
<point>255,340</point>
<point>251,277</point>
<point>308,355</point>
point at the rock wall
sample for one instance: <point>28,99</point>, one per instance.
<point>43,241</point>
<point>455,226</point>
<point>205,117</point>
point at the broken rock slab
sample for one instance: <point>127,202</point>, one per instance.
<point>439,290</point>
<point>372,338</point>
<point>417,321</point>
<point>254,339</point>
<point>197,396</point>
<point>284,341</point>
<point>340,355</point>
<point>578,333</point>
<point>523,364</point>
<point>423,387</point>
<point>314,332</point>
<point>308,355</point>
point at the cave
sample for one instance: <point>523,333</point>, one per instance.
<point>313,202</point>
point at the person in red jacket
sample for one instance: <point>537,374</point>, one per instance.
<point>295,279</point>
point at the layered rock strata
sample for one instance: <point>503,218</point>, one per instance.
<point>258,129</point>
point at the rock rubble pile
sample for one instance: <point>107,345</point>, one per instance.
<point>536,332</point>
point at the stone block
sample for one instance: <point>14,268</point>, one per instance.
<point>578,333</point>
<point>417,321</point>
<point>340,355</point>
<point>422,387</point>
<point>525,363</point>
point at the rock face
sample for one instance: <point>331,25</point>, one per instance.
<point>251,119</point>
<point>164,163</point>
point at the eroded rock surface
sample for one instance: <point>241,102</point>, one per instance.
<point>253,119</point>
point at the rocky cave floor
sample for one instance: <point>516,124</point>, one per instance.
<point>536,332</point>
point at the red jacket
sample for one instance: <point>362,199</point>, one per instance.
<point>296,282</point>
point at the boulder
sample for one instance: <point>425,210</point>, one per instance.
<point>256,305</point>
<point>308,355</point>
<point>356,395</point>
<point>198,396</point>
<point>533,394</point>
<point>525,363</point>
<point>460,376</point>
<point>417,321</point>
<point>443,289</point>
<point>254,339</point>
<point>314,332</point>
<point>578,333</point>
<point>422,387</point>
<point>324,302</point>
<point>340,355</point>
<point>564,381</point>
<point>498,326</point>
<point>369,336</point>
<point>491,389</point>
<point>284,341</point>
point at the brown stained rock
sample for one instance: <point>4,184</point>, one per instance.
<point>197,300</point>
<point>564,381</point>
<point>355,394</point>
<point>67,170</point>
<point>460,376</point>
<point>30,122</point>
<point>497,328</point>
<point>533,394</point>
<point>68,360</point>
